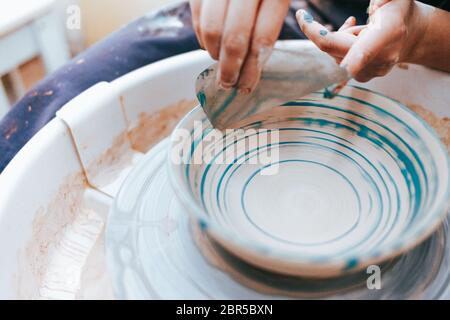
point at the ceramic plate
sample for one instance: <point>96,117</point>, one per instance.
<point>351,182</point>
<point>154,252</point>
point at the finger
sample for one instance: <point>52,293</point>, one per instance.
<point>350,22</point>
<point>372,71</point>
<point>356,30</point>
<point>333,43</point>
<point>370,7</point>
<point>370,42</point>
<point>381,65</point>
<point>195,12</point>
<point>236,40</point>
<point>213,13</point>
<point>267,29</point>
<point>375,5</point>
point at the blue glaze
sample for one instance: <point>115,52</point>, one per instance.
<point>378,139</point>
<point>351,264</point>
<point>201,98</point>
<point>202,224</point>
<point>408,160</point>
<point>226,103</point>
<point>375,225</point>
<point>308,17</point>
<point>285,143</point>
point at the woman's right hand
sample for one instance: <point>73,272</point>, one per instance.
<point>240,34</point>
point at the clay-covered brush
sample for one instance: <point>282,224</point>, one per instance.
<point>292,71</point>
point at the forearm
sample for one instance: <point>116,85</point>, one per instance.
<point>431,47</point>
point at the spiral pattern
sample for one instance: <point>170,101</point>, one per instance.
<point>357,178</point>
<point>153,253</point>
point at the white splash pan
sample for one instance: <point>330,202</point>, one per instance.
<point>56,193</point>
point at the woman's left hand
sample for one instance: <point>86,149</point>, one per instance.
<point>370,50</point>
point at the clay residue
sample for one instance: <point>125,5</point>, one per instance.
<point>95,282</point>
<point>110,163</point>
<point>58,257</point>
<point>152,128</point>
<point>64,257</point>
<point>47,231</point>
<point>440,124</point>
<point>11,131</point>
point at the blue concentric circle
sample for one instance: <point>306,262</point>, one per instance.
<point>356,180</point>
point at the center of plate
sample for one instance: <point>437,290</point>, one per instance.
<point>306,203</point>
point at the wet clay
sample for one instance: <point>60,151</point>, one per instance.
<point>152,128</point>
<point>47,232</point>
<point>110,163</point>
<point>440,124</point>
<point>66,228</point>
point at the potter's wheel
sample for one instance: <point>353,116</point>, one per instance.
<point>52,244</point>
<point>155,253</point>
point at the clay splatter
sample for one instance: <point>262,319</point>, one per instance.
<point>323,32</point>
<point>10,131</point>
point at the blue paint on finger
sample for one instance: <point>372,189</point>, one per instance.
<point>308,17</point>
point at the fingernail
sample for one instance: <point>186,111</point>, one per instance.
<point>225,86</point>
<point>305,15</point>
<point>244,91</point>
<point>221,84</point>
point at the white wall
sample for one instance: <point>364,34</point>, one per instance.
<point>101,17</point>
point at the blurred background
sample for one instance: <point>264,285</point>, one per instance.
<point>101,17</point>
<point>38,36</point>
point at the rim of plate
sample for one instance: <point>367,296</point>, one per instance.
<point>378,254</point>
